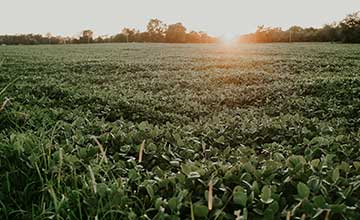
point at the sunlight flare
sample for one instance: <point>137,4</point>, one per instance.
<point>229,38</point>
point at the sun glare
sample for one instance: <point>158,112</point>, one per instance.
<point>228,38</point>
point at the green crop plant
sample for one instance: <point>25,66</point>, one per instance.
<point>158,131</point>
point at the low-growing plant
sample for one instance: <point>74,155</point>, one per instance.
<point>120,132</point>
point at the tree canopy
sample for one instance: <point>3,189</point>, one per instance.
<point>156,32</point>
<point>346,31</point>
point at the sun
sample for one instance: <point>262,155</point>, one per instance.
<point>228,38</point>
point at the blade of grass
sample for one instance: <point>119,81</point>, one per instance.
<point>141,152</point>
<point>288,215</point>
<point>210,196</point>
<point>1,62</point>
<point>192,210</point>
<point>102,151</point>
<point>4,104</point>
<point>327,216</point>
<point>93,181</point>
<point>55,201</point>
<point>4,209</point>
<point>303,216</point>
<point>60,165</point>
<point>8,85</point>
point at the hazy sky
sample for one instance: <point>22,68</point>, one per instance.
<point>69,17</point>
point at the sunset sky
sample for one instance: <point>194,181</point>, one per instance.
<point>69,17</point>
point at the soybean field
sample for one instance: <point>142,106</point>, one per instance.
<point>180,131</point>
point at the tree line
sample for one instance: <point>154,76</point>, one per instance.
<point>346,31</point>
<point>156,31</point>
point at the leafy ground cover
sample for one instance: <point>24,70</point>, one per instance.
<point>246,132</point>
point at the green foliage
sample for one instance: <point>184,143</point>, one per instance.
<point>275,128</point>
<point>303,190</point>
<point>200,211</point>
<point>265,196</point>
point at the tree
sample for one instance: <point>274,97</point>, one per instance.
<point>130,34</point>
<point>87,36</point>
<point>261,34</point>
<point>119,38</point>
<point>294,33</point>
<point>176,33</point>
<point>329,33</point>
<point>156,30</point>
<point>145,36</point>
<point>193,37</point>
<point>48,35</point>
<point>99,39</point>
<point>205,38</point>
<point>350,28</point>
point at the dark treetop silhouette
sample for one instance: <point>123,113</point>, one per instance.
<point>346,31</point>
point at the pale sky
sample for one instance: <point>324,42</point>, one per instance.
<point>216,17</point>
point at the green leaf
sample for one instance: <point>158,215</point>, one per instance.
<point>240,198</point>
<point>150,191</point>
<point>303,190</point>
<point>314,183</point>
<point>143,125</point>
<point>132,215</point>
<point>315,163</point>
<point>186,169</point>
<point>173,204</point>
<point>356,165</point>
<point>101,189</point>
<point>274,207</point>
<point>345,167</point>
<point>335,175</point>
<point>158,203</point>
<point>265,196</point>
<point>178,140</point>
<point>200,211</point>
<point>245,214</point>
<point>220,140</point>
<point>271,210</point>
<point>338,208</point>
<point>278,157</point>
<point>182,194</point>
<point>307,206</point>
<point>319,201</point>
<point>239,189</point>
<point>255,187</point>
